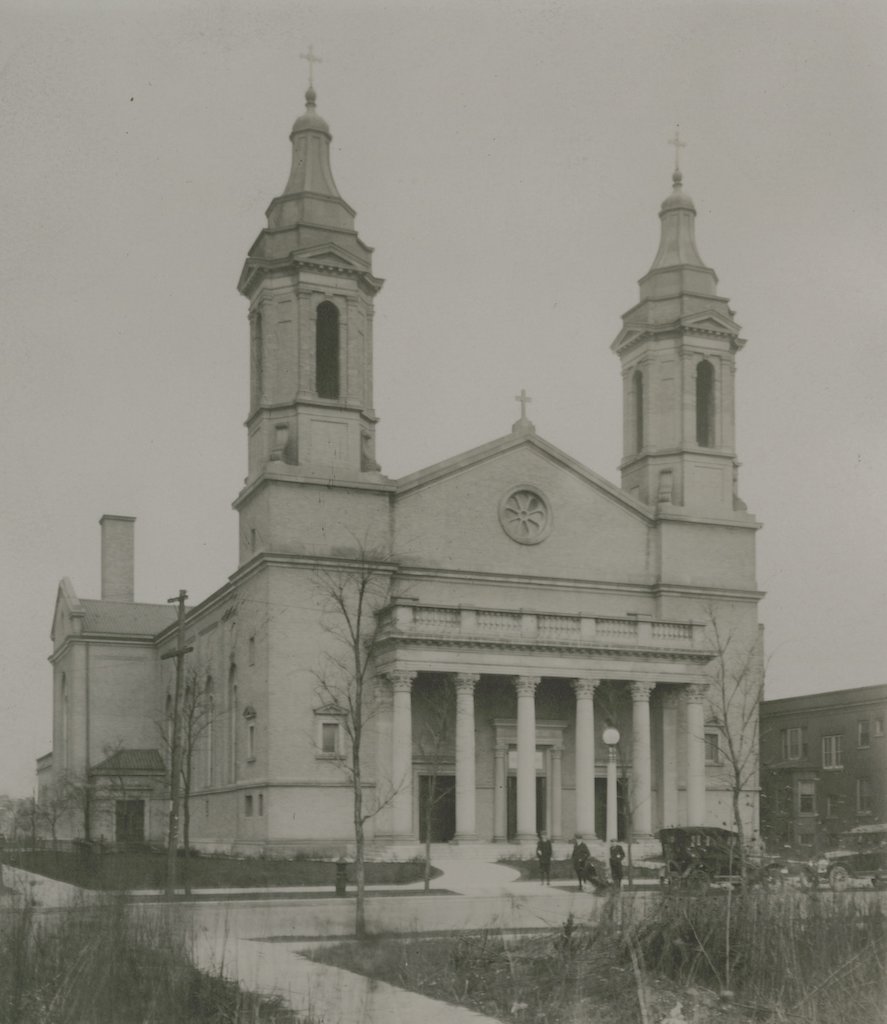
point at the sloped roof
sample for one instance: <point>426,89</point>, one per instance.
<point>130,761</point>
<point>126,617</point>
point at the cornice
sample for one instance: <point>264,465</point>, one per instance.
<point>584,648</point>
<point>381,485</point>
<point>148,640</point>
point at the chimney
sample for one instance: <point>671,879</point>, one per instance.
<point>118,548</point>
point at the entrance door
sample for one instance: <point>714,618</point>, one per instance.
<point>600,809</point>
<point>129,821</point>
<point>511,805</point>
<point>443,808</point>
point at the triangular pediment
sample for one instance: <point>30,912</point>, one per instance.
<point>67,609</point>
<point>328,254</point>
<point>521,506</point>
<point>710,320</point>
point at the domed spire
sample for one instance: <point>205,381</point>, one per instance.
<point>311,137</point>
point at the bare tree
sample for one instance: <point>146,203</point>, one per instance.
<point>59,801</point>
<point>735,694</point>
<point>353,592</point>
<point>436,705</point>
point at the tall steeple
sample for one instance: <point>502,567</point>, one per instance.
<point>310,285</point>
<point>677,348</point>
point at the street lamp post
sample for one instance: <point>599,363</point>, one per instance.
<point>611,738</point>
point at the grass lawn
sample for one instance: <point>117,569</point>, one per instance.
<point>146,869</point>
<point>789,957</point>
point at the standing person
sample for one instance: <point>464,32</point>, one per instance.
<point>580,858</point>
<point>543,855</point>
<point>617,856</point>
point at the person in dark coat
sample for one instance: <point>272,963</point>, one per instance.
<point>617,856</point>
<point>543,855</point>
<point>581,858</point>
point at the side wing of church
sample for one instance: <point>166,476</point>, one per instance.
<point>517,609</point>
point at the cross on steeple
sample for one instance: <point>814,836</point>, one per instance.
<point>524,399</point>
<point>312,60</point>
<point>678,146</point>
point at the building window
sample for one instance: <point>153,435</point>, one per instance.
<point>329,738</point>
<point>705,405</point>
<point>248,805</point>
<point>638,386</point>
<point>792,744</point>
<point>327,351</point>
<point>252,650</point>
<point>878,727</point>
<point>832,756</point>
<point>805,838</point>
<point>831,805</point>
<point>806,797</point>
<point>261,804</point>
<point>712,748</point>
<point>251,741</point>
<point>863,738</point>
<point>863,796</point>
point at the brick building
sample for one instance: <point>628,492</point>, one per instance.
<point>823,765</point>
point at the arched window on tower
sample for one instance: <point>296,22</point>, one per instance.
<point>705,405</point>
<point>638,389</point>
<point>257,362</point>
<point>327,351</point>
<point>232,724</point>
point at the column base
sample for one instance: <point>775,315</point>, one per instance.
<point>525,837</point>
<point>469,837</point>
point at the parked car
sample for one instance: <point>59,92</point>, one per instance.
<point>862,854</point>
<point>697,855</point>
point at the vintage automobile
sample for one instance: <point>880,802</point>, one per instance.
<point>862,854</point>
<point>698,855</point>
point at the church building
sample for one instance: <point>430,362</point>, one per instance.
<point>518,608</point>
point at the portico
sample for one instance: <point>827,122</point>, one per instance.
<point>506,689</point>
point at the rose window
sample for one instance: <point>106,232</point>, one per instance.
<point>525,516</point>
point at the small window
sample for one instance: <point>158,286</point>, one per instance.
<point>329,737</point>
<point>206,808</point>
<point>792,744</point>
<point>251,742</point>
<point>831,806</point>
<point>327,351</point>
<point>806,797</point>
<point>252,539</point>
<point>712,748</point>
<point>261,804</point>
<point>705,405</point>
<point>805,838</point>
<point>878,727</point>
<point>832,756</point>
<point>638,384</point>
<point>252,650</point>
<point>863,796</point>
<point>248,805</point>
<point>863,737</point>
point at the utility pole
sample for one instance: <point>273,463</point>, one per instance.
<point>175,780</point>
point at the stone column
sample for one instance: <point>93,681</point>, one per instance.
<point>402,754</point>
<point>669,785</point>
<point>500,799</point>
<point>696,753</point>
<point>584,689</point>
<point>557,808</point>
<point>526,756</point>
<point>465,756</point>
<point>641,775</point>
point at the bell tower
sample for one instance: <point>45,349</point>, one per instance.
<point>678,347</point>
<point>309,281</point>
<point>311,423</point>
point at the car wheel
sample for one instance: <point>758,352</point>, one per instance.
<point>839,878</point>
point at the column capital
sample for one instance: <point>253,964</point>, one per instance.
<point>584,688</point>
<point>526,685</point>
<point>696,692</point>
<point>556,753</point>
<point>465,682</point>
<point>640,691</point>
<point>400,680</point>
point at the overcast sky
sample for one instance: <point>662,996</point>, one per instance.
<point>507,162</point>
